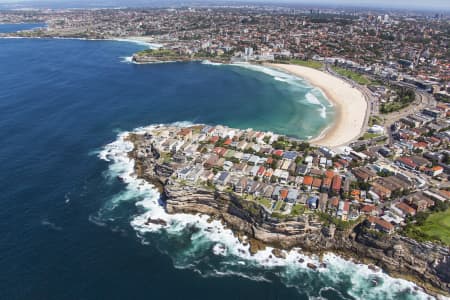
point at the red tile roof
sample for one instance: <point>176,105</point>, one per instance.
<point>329,174</point>
<point>406,208</point>
<point>337,182</point>
<point>317,182</point>
<point>308,180</point>
<point>368,208</point>
<point>283,194</point>
<point>384,224</point>
<point>278,152</point>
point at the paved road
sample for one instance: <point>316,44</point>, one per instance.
<point>423,99</point>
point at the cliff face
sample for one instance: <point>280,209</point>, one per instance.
<point>426,264</point>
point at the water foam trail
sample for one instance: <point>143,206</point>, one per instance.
<point>207,247</point>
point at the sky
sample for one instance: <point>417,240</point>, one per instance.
<point>406,4</point>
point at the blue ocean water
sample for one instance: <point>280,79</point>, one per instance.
<point>17,27</point>
<point>65,220</point>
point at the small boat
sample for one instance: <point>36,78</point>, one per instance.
<point>311,266</point>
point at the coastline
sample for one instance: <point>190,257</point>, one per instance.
<point>348,101</point>
<point>265,240</point>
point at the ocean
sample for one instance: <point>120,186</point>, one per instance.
<point>69,229</point>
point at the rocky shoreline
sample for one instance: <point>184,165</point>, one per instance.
<point>149,59</point>
<point>426,264</point>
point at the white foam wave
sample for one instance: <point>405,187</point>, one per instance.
<point>139,42</point>
<point>51,225</point>
<point>323,112</point>
<point>207,62</point>
<point>277,75</point>
<point>281,79</point>
<point>127,59</point>
<point>313,100</point>
<point>205,236</point>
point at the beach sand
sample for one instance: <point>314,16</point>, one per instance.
<point>350,105</point>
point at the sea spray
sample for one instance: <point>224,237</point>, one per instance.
<point>208,248</point>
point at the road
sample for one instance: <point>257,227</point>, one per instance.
<point>423,99</point>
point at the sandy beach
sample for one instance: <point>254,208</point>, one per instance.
<point>349,102</point>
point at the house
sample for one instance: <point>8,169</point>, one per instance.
<point>381,191</point>
<point>183,173</point>
<point>435,171</point>
<point>313,202</point>
<point>222,178</point>
<point>369,209</point>
<point>406,162</point>
<point>345,210</point>
<point>268,191</point>
<point>333,203</point>
<point>259,192</point>
<point>337,183</point>
<point>326,184</point>
<point>292,195</point>
<point>323,201</point>
<point>419,201</point>
<point>380,224</point>
<point>307,182</point>
<point>241,185</point>
<point>290,155</point>
<point>364,174</point>
<point>276,192</point>
<point>253,171</point>
<point>283,194</point>
<point>278,153</point>
<point>406,209</point>
<point>317,183</point>
<point>185,134</point>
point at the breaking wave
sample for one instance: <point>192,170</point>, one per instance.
<point>208,62</point>
<point>127,59</point>
<point>141,43</point>
<point>313,100</point>
<point>195,242</point>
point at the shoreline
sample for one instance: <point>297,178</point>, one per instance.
<point>348,102</point>
<point>193,200</point>
<point>134,40</point>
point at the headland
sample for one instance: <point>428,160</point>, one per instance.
<point>250,181</point>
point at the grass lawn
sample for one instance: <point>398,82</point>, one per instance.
<point>308,63</point>
<point>368,135</point>
<point>278,205</point>
<point>375,120</point>
<point>437,226</point>
<point>361,79</point>
<point>298,209</point>
<point>265,202</point>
